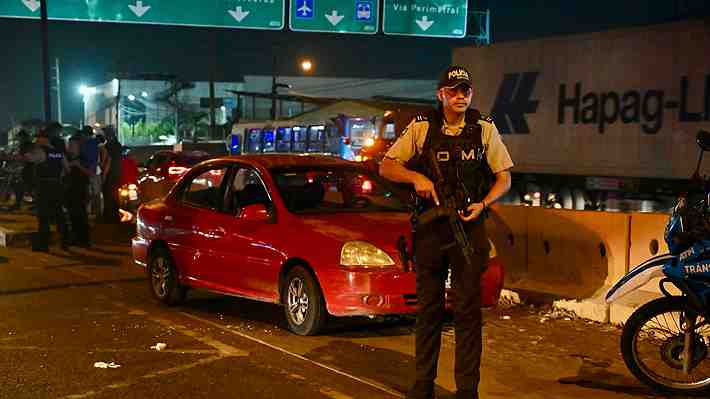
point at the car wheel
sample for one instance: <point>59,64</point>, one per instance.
<point>303,303</point>
<point>163,278</point>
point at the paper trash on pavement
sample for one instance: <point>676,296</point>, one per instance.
<point>104,365</point>
<point>159,346</point>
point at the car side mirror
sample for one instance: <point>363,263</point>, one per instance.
<point>255,213</point>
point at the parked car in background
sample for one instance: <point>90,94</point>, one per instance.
<point>317,234</point>
<point>163,169</point>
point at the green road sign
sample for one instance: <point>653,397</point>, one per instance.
<point>341,16</point>
<point>19,8</point>
<point>247,14</point>
<point>426,18</point>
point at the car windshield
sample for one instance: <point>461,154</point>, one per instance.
<point>336,189</point>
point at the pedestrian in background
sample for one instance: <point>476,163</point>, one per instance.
<point>25,183</point>
<point>77,193</point>
<point>112,177</point>
<point>468,151</point>
<point>88,157</point>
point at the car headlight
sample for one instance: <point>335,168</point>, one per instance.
<point>363,254</point>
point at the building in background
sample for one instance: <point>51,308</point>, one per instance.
<point>168,111</point>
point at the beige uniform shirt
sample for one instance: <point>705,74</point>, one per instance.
<point>411,142</point>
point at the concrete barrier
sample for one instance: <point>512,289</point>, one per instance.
<point>646,241</point>
<point>507,228</point>
<point>569,254</point>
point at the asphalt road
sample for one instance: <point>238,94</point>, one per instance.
<point>65,311</point>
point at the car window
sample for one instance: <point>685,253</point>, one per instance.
<point>338,189</point>
<point>246,188</point>
<point>205,189</point>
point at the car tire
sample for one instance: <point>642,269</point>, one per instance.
<point>304,304</point>
<point>163,278</point>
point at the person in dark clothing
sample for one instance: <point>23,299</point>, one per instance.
<point>26,181</point>
<point>51,164</point>
<point>112,177</point>
<point>461,154</point>
<point>77,193</point>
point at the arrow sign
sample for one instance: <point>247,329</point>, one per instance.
<point>424,23</point>
<point>239,14</point>
<point>139,9</point>
<point>334,18</point>
<point>33,5</point>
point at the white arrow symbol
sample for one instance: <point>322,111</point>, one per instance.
<point>334,18</point>
<point>139,9</point>
<point>424,23</point>
<point>33,5</point>
<point>238,14</point>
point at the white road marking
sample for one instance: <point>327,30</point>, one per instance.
<point>224,349</point>
<point>365,381</point>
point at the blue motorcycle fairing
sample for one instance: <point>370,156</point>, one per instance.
<point>700,249</point>
<point>640,276</point>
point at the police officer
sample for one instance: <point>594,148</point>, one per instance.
<point>50,166</point>
<point>468,150</point>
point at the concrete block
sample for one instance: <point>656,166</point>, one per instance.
<point>12,238</point>
<point>510,297</point>
<point>595,309</point>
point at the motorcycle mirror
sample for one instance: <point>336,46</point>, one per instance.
<point>703,139</point>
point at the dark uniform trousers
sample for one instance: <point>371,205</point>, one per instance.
<point>49,207</point>
<point>432,265</point>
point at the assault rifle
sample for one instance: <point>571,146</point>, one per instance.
<point>449,208</point>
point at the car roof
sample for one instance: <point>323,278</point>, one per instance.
<point>276,161</point>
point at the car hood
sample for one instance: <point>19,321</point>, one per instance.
<point>381,229</point>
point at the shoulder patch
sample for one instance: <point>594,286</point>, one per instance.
<point>487,118</point>
<point>421,118</point>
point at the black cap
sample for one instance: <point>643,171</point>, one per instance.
<point>455,76</point>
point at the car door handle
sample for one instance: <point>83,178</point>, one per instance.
<point>168,218</point>
<point>215,233</point>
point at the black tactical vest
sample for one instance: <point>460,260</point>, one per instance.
<point>461,159</point>
<point>51,168</point>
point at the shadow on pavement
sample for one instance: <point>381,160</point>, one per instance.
<point>262,312</point>
<point>594,375</point>
<point>69,285</point>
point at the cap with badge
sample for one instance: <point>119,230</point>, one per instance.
<point>454,76</point>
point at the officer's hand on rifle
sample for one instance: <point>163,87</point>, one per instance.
<point>473,212</point>
<point>425,188</point>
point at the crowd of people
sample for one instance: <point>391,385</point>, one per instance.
<point>68,178</point>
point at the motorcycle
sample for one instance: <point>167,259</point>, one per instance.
<point>665,342</point>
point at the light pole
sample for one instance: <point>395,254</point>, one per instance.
<point>306,66</point>
<point>86,92</point>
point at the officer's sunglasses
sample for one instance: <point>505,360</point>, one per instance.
<point>454,91</point>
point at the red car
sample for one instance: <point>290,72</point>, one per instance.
<point>163,169</point>
<point>314,233</point>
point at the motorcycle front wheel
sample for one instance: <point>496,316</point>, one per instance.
<point>653,344</point>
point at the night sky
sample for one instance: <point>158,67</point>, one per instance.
<point>93,53</point>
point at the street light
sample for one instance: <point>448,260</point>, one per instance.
<point>306,65</point>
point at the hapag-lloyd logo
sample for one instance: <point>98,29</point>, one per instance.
<point>513,102</point>
<point>643,106</point>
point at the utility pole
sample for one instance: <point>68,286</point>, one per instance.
<point>45,60</point>
<point>273,86</point>
<point>58,88</point>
